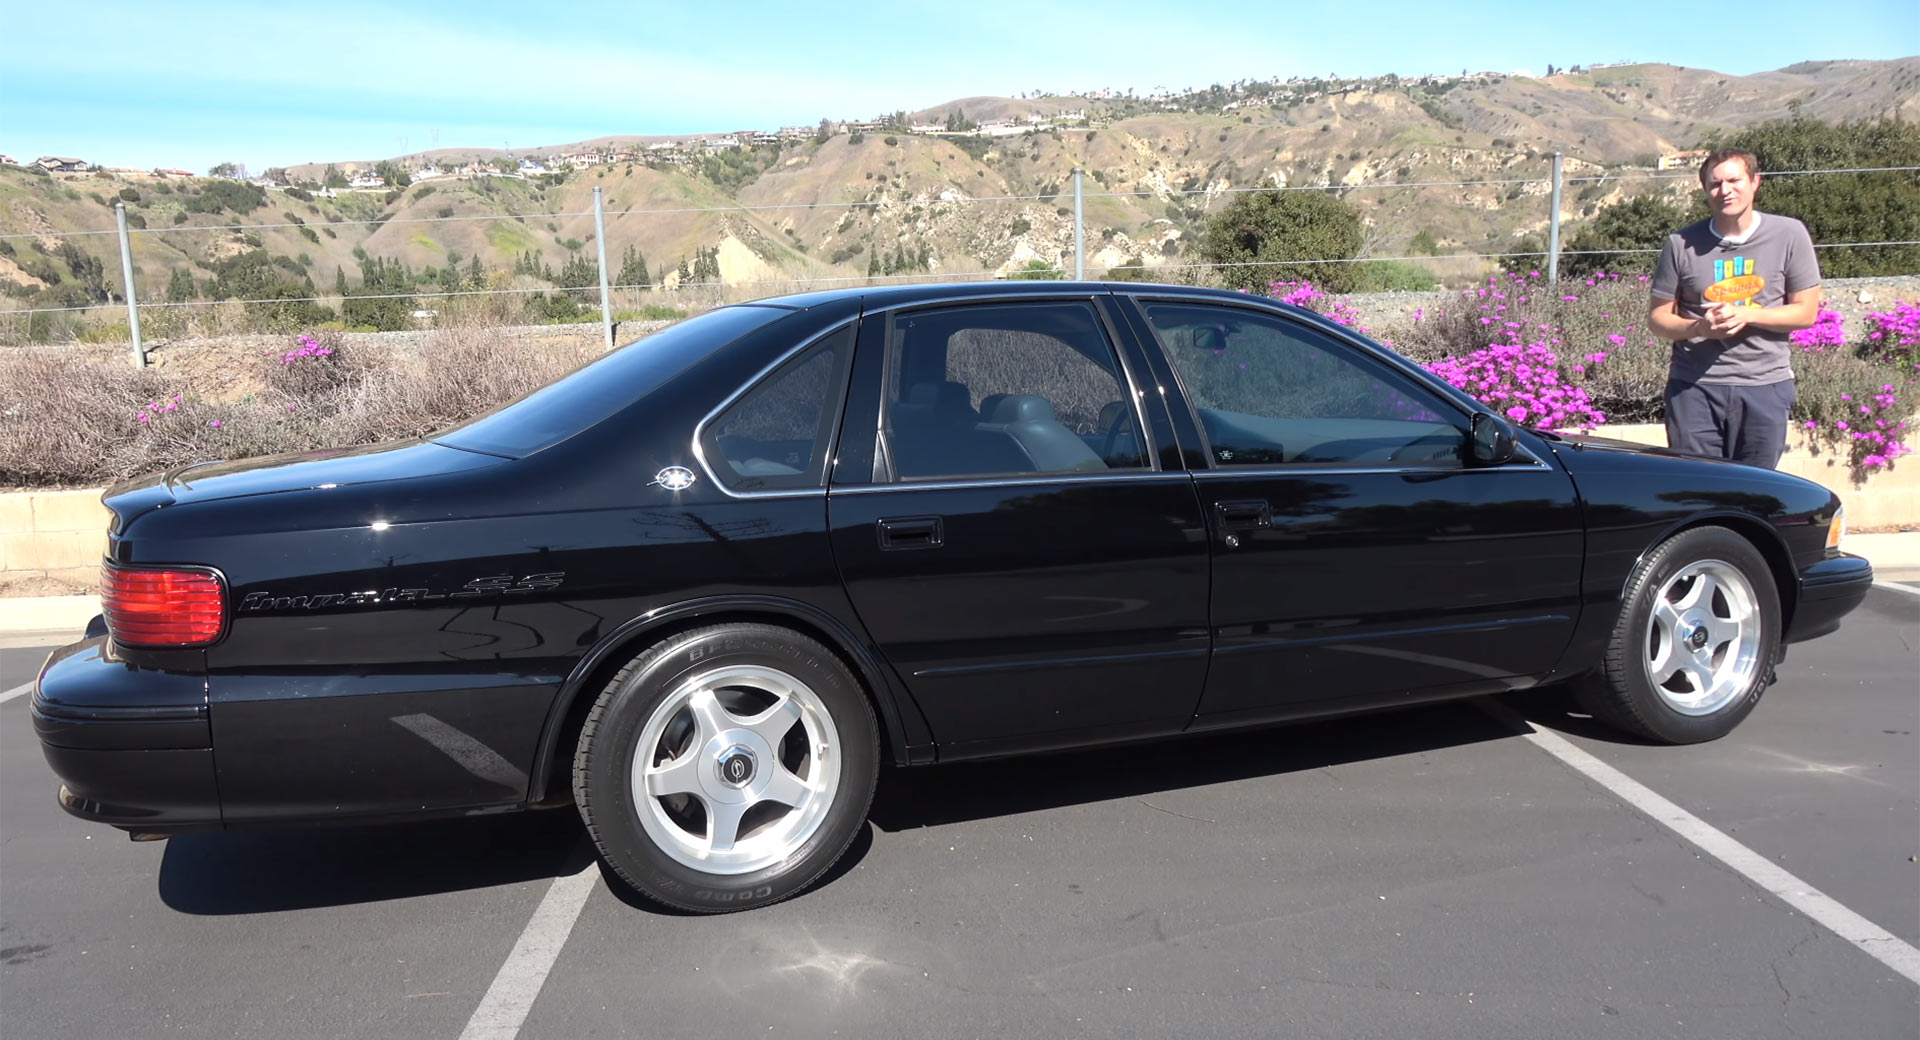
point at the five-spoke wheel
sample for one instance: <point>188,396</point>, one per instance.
<point>1695,641</point>
<point>727,767</point>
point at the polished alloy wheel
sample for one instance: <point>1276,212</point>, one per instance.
<point>1703,638</point>
<point>736,769</point>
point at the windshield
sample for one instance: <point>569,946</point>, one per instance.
<point>604,385</point>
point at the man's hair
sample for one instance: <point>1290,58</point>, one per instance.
<point>1720,155</point>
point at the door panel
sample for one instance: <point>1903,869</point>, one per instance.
<point>1005,535</point>
<point>1366,586</point>
<point>1358,559</point>
<point>1042,609</point>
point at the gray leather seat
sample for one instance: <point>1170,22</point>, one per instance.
<point>1028,420</point>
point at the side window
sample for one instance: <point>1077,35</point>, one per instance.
<point>775,436</point>
<point>1270,391</point>
<point>1004,389</point>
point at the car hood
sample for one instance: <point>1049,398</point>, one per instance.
<point>209,481</point>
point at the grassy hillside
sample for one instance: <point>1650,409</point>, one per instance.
<point>875,202</point>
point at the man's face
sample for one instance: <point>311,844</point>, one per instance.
<point>1730,189</point>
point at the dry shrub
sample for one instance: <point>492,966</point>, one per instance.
<point>65,417</point>
<point>462,371</point>
<point>73,418</point>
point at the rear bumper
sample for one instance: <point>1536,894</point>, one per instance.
<point>1828,591</point>
<point>131,746</point>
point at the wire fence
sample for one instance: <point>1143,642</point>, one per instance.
<point>1072,261</point>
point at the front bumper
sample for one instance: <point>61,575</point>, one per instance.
<point>1828,591</point>
<point>131,745</point>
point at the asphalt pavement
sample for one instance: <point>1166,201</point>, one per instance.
<point>1431,873</point>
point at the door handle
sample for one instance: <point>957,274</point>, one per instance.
<point>911,532</point>
<point>1253,513</point>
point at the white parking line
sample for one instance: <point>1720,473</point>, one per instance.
<point>1875,941</point>
<point>17,691</point>
<point>1896,586</point>
<point>504,1008</point>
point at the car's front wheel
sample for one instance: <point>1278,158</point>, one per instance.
<point>727,767</point>
<point>1694,645</point>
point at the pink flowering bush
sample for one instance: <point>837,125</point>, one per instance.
<point>1828,330</point>
<point>1524,382</point>
<point>1337,309</point>
<point>1893,335</point>
<point>314,365</point>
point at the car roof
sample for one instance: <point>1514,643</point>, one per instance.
<point>879,296</point>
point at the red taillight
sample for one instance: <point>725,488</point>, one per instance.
<point>161,607</point>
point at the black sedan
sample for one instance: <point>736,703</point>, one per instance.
<point>704,587</point>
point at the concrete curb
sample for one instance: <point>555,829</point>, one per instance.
<point>22,615</point>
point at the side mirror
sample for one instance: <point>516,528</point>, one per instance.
<point>1492,440</point>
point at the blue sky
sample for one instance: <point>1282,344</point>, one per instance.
<point>190,83</point>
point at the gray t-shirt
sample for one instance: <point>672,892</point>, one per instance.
<point>1698,267</point>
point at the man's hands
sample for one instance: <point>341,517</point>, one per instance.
<point>1723,321</point>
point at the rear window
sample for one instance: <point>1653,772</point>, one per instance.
<point>604,385</point>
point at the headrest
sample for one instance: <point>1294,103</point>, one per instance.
<point>941,398</point>
<point>1013,408</point>
<point>1206,337</point>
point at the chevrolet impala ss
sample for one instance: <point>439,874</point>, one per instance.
<point>705,587</point>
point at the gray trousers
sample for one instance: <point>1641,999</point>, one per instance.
<point>1743,423</point>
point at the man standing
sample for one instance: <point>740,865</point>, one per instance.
<point>1727,291</point>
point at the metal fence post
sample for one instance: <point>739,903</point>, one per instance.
<point>600,240</point>
<point>1079,229</point>
<point>1553,226</point>
<point>126,278</point>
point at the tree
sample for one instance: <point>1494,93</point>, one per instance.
<point>179,286</point>
<point>1037,271</point>
<point>333,178</point>
<point>88,270</point>
<point>1843,207</point>
<point>383,299</point>
<point>1258,233</point>
<point>340,281</point>
<point>1132,269</point>
<point>476,273</point>
<point>1605,243</point>
<point>225,169</point>
<point>633,267</point>
<point>393,173</point>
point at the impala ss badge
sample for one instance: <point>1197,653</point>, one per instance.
<point>492,584</point>
<point>674,478</point>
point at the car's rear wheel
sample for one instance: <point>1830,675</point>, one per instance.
<point>727,767</point>
<point>1695,642</point>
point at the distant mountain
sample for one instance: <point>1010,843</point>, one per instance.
<point>828,208</point>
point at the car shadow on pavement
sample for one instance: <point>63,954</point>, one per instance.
<point>935,795</point>
<point>249,872</point>
<point>1558,709</point>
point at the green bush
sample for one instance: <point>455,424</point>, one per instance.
<point>1264,237</point>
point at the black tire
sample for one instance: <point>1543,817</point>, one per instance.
<point>1631,690</point>
<point>653,842</point>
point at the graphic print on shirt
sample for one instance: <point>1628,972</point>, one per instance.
<point>1734,282</point>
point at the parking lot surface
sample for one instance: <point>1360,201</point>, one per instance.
<point>1431,873</point>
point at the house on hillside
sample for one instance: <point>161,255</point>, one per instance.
<point>1682,160</point>
<point>367,180</point>
<point>62,164</point>
<point>796,133</point>
<point>723,142</point>
<point>428,172</point>
<point>530,167</point>
<point>8,160</point>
